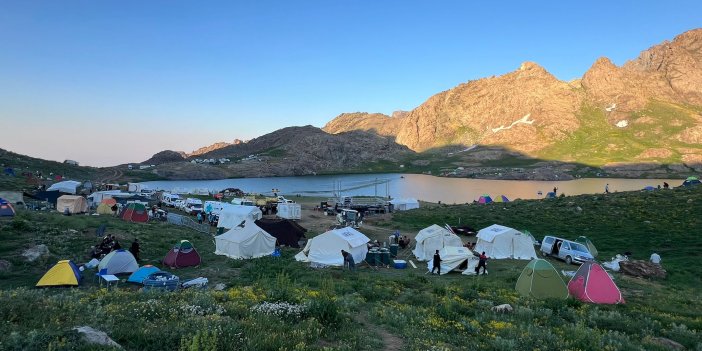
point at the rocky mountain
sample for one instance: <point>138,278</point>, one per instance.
<point>531,111</point>
<point>292,151</point>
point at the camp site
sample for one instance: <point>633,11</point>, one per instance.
<point>249,279</point>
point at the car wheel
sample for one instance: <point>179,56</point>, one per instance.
<point>568,260</point>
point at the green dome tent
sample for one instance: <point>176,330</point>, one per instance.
<point>590,246</point>
<point>540,280</point>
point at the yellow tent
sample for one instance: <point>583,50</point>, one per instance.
<point>104,209</point>
<point>74,204</point>
<point>62,273</point>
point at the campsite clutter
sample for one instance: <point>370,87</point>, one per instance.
<point>245,232</point>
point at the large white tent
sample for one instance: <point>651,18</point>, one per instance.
<point>504,242</point>
<point>249,241</point>
<point>434,238</point>
<point>455,258</point>
<point>326,248</point>
<point>68,186</point>
<point>404,204</point>
<point>232,216</point>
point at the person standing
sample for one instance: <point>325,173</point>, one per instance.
<point>135,249</point>
<point>555,190</point>
<point>199,217</point>
<point>607,188</point>
<point>656,258</point>
<point>482,262</point>
<point>436,263</point>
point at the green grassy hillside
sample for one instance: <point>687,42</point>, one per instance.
<point>370,309</point>
<point>597,142</point>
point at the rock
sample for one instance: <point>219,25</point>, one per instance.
<point>665,342</point>
<point>689,201</point>
<point>504,308</point>
<point>71,231</point>
<point>579,209</point>
<point>94,336</point>
<point>220,287</point>
<point>5,265</point>
<point>639,268</point>
<point>33,253</point>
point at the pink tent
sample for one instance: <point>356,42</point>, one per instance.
<point>592,284</point>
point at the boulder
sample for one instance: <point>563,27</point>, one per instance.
<point>94,336</point>
<point>33,253</point>
<point>220,287</point>
<point>504,308</point>
<point>639,268</point>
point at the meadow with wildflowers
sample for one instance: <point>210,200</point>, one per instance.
<point>275,303</point>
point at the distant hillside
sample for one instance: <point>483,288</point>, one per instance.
<point>293,151</point>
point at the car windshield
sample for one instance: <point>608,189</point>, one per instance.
<point>578,247</point>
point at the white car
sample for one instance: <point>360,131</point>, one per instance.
<point>566,250</point>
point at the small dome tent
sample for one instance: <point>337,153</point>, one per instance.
<point>587,243</point>
<point>502,198</point>
<point>592,284</point>
<point>183,254</point>
<point>540,279</point>
<point>434,238</point>
<point>503,242</point>
<point>6,209</point>
<point>119,261</point>
<point>247,241</point>
<point>485,199</point>
<point>690,181</point>
<point>135,212</point>
<point>63,273</point>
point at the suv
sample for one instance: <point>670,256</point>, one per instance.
<point>566,250</point>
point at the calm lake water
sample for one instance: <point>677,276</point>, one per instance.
<point>419,186</point>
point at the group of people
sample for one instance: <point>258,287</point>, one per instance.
<point>482,263</point>
<point>109,243</point>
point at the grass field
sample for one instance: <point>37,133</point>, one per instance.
<point>331,309</point>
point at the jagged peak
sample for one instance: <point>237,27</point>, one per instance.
<point>695,34</point>
<point>531,66</point>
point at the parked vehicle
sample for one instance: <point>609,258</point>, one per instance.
<point>179,204</point>
<point>566,250</point>
<point>243,202</point>
<point>170,199</point>
<point>192,206</point>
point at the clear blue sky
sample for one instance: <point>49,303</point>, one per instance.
<point>108,82</point>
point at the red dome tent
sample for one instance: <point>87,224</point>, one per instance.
<point>183,254</point>
<point>135,212</point>
<point>592,284</point>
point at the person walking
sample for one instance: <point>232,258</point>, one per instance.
<point>436,263</point>
<point>199,217</point>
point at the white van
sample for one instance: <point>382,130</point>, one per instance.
<point>566,250</point>
<point>170,199</point>
<point>193,206</point>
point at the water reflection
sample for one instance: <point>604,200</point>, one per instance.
<point>419,186</point>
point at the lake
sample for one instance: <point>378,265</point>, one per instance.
<point>419,186</point>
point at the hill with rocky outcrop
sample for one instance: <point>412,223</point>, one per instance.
<point>292,151</point>
<point>647,110</point>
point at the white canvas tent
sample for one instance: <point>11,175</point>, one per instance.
<point>455,258</point>
<point>68,186</point>
<point>326,248</point>
<point>289,211</point>
<point>232,216</point>
<point>248,242</point>
<point>74,204</point>
<point>503,242</point>
<point>434,238</point>
<point>404,204</point>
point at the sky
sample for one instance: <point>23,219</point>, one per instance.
<point>111,82</point>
